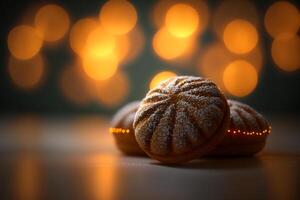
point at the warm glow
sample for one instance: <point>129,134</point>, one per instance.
<point>255,57</point>
<point>80,32</point>
<point>118,17</point>
<point>286,52</point>
<point>182,20</point>
<point>119,130</point>
<point>26,74</point>
<point>100,68</point>
<point>216,58</point>
<point>213,62</point>
<point>282,17</point>
<point>100,43</point>
<point>240,78</point>
<point>167,46</point>
<point>238,132</point>
<point>73,86</point>
<point>240,36</point>
<point>24,42</point>
<point>27,180</point>
<point>123,46</point>
<point>137,43</point>
<point>52,21</point>
<point>230,10</point>
<point>161,76</point>
<point>114,90</point>
<point>103,177</point>
<point>158,14</point>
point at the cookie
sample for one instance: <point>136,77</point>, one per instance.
<point>181,119</point>
<point>123,132</point>
<point>247,132</point>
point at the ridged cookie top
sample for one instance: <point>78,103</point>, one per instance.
<point>124,117</point>
<point>179,115</point>
<point>245,120</point>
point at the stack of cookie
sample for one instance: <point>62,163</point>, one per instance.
<point>187,117</point>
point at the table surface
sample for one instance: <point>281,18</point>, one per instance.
<point>75,158</point>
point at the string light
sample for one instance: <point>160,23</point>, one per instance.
<point>240,132</point>
<point>119,130</point>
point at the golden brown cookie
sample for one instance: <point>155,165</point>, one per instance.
<point>123,132</point>
<point>247,132</point>
<point>181,119</point>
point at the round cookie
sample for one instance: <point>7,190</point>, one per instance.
<point>247,132</point>
<point>181,119</point>
<point>123,132</point>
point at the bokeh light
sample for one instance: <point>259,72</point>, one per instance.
<point>286,52</point>
<point>80,32</point>
<point>240,36</point>
<point>26,74</point>
<point>182,20</point>
<point>123,46</point>
<point>255,57</point>
<point>161,76</point>
<point>118,17</point>
<point>240,78</point>
<point>100,68</point>
<point>137,43</point>
<point>73,87</point>
<point>52,21</point>
<point>282,17</point>
<point>230,10</point>
<point>24,42</point>
<point>113,91</point>
<point>216,57</point>
<point>100,43</point>
<point>213,61</point>
<point>168,46</point>
<point>158,14</point>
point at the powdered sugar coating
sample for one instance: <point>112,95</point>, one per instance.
<point>245,118</point>
<point>179,115</point>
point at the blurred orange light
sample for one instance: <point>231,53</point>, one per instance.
<point>161,8</point>
<point>100,68</point>
<point>27,177</point>
<point>100,43</point>
<point>24,42</point>
<point>282,17</point>
<point>213,62</point>
<point>73,87</point>
<point>255,57</point>
<point>123,46</point>
<point>80,32</point>
<point>161,76</point>
<point>118,17</point>
<point>240,36</point>
<point>240,78</point>
<point>52,21</point>
<point>137,42</point>
<point>182,20</point>
<point>168,46</point>
<point>103,180</point>
<point>26,74</point>
<point>113,91</point>
<point>230,10</point>
<point>286,52</point>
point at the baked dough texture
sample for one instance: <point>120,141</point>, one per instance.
<point>247,132</point>
<point>123,132</point>
<point>181,119</point>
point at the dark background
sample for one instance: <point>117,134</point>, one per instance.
<point>277,91</point>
